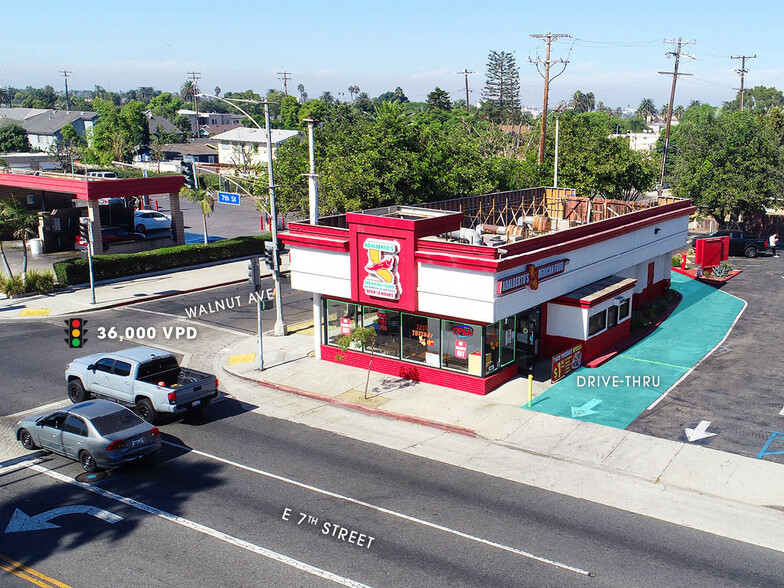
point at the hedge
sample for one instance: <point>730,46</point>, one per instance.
<point>107,267</point>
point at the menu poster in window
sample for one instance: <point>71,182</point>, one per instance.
<point>567,361</point>
<point>345,326</point>
<point>461,349</point>
<point>383,324</point>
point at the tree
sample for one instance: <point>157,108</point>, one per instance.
<point>205,201</point>
<point>363,103</point>
<point>327,97</point>
<point>757,99</point>
<point>303,95</point>
<point>188,90</point>
<point>118,134</point>
<point>363,338</point>
<point>289,113</point>
<point>5,96</point>
<point>502,88</point>
<point>68,146</point>
<point>582,102</point>
<point>22,223</point>
<point>165,105</point>
<point>396,94</point>
<point>647,109</point>
<point>439,99</point>
<point>727,162</point>
<point>353,91</point>
<point>217,90</point>
<point>13,139</point>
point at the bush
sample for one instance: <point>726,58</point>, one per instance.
<point>12,286</point>
<point>676,260</point>
<point>107,267</point>
<point>722,271</point>
<point>41,282</point>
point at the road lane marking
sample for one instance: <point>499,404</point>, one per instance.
<point>381,509</point>
<point>26,573</point>
<point>268,553</point>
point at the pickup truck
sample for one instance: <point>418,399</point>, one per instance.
<point>740,242</point>
<point>147,379</point>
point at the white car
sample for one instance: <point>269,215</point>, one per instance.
<point>149,220</point>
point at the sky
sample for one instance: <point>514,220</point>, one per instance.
<point>615,49</point>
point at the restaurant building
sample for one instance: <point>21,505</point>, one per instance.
<point>467,293</point>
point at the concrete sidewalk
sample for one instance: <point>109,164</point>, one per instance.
<point>721,493</point>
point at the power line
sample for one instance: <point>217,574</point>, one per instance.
<point>677,54</point>
<point>195,76</point>
<point>286,77</point>
<point>64,73</point>
<point>465,72</point>
<point>548,39</point>
<point>742,72</point>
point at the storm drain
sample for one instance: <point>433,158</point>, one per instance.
<point>91,477</point>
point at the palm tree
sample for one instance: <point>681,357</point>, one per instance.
<point>647,109</point>
<point>205,201</point>
<point>188,90</point>
<point>327,97</point>
<point>582,102</point>
<point>217,90</point>
<point>302,94</point>
<point>22,223</point>
<point>353,91</point>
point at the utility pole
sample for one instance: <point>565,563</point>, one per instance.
<point>548,39</point>
<point>677,54</point>
<point>286,77</point>
<point>195,89</point>
<point>313,201</point>
<point>68,97</point>
<point>280,325</point>
<point>742,73</point>
<point>465,72</point>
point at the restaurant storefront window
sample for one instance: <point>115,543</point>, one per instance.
<point>341,319</point>
<point>492,348</point>
<point>421,339</point>
<point>462,347</point>
<point>507,327</point>
<point>386,323</point>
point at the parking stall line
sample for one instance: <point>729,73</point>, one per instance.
<point>268,553</point>
<point>387,511</point>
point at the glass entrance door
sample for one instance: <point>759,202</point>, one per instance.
<point>528,323</point>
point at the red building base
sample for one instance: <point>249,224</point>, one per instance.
<point>422,373</point>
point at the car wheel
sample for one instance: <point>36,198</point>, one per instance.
<point>27,439</point>
<point>141,229</point>
<point>146,411</point>
<point>88,462</point>
<point>751,252</point>
<point>76,391</point>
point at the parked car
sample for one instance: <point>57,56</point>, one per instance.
<point>149,220</point>
<point>148,379</point>
<point>106,175</point>
<point>114,200</point>
<point>97,433</point>
<point>740,242</point>
<point>110,236</point>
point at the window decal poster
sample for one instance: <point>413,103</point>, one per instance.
<point>383,279</point>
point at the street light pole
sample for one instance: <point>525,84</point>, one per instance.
<point>313,200</point>
<point>280,325</point>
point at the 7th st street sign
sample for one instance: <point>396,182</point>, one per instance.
<point>229,198</point>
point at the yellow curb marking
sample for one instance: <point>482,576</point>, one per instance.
<point>242,358</point>
<point>35,312</point>
<point>22,571</point>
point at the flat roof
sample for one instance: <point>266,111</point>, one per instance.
<point>84,188</point>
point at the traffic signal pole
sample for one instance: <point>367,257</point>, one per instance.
<point>280,325</point>
<point>254,277</point>
<point>90,260</point>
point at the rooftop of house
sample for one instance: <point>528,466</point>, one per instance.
<point>258,136</point>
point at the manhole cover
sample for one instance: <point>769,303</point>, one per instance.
<point>90,478</point>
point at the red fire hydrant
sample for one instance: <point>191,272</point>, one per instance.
<point>683,260</point>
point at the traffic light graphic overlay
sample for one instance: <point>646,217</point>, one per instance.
<point>76,332</point>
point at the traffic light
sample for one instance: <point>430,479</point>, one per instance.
<point>254,279</point>
<point>76,332</point>
<point>268,258</point>
<point>189,171</point>
<point>84,228</point>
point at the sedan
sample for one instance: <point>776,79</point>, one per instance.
<point>97,433</point>
<point>149,220</point>
<point>109,236</point>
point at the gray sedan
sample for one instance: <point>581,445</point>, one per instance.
<point>97,433</point>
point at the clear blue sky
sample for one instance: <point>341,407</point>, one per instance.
<point>615,51</point>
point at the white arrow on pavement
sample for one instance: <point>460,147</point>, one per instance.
<point>22,522</point>
<point>782,412</point>
<point>699,432</point>
<point>585,409</point>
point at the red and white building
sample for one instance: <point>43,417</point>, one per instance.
<point>469,316</point>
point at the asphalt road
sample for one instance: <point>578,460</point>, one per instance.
<point>739,387</point>
<point>34,353</point>
<point>231,478</point>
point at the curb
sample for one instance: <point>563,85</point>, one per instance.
<point>358,407</point>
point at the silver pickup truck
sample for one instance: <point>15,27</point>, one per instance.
<point>145,378</point>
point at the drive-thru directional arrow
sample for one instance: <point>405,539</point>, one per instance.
<point>699,432</point>
<point>585,409</point>
<point>22,522</point>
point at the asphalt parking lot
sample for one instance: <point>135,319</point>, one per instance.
<point>738,387</point>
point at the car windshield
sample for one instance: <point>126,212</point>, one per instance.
<point>116,421</point>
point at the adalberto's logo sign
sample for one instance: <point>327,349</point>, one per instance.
<point>382,280</point>
<point>531,277</point>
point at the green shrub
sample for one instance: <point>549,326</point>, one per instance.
<point>676,260</point>
<point>639,322</point>
<point>107,267</point>
<point>41,282</point>
<point>722,271</point>
<point>12,286</point>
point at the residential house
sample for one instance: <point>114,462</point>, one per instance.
<point>243,147</point>
<point>211,123</point>
<point>44,126</point>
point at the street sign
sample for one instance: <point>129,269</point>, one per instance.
<point>229,198</point>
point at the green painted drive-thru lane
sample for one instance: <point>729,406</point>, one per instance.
<point>619,391</point>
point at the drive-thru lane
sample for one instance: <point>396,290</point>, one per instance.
<point>214,515</point>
